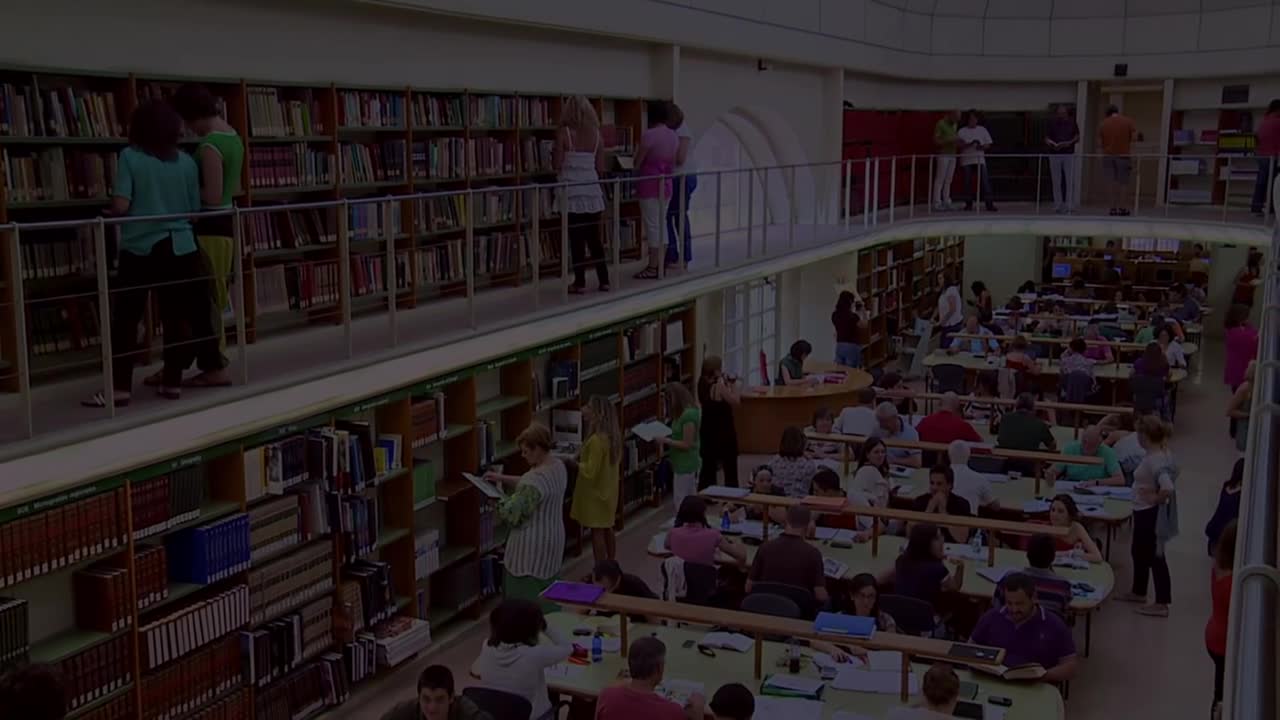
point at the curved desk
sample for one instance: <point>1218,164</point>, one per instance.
<point>766,411</point>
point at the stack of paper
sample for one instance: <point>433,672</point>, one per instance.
<point>1068,561</point>
<point>1088,500</point>
<point>651,431</point>
<point>562,671</point>
<point>483,486</point>
<point>782,708</point>
<point>678,691</point>
<point>888,660</point>
<point>995,477</point>
<point>994,574</point>
<point>834,569</point>
<point>727,641</point>
<point>721,491</point>
<point>792,686</point>
<point>886,682</point>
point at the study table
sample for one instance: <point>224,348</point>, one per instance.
<point>766,411</point>
<point>1188,348</point>
<point>1031,701</point>
<point>1116,374</point>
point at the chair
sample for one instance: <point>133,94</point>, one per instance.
<point>770,604</point>
<point>947,377</point>
<point>913,617</point>
<point>699,580</point>
<point>801,597</point>
<point>499,704</point>
<point>987,464</point>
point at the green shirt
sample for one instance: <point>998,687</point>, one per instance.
<point>944,134</point>
<point>685,461</point>
<point>1021,430</point>
<point>1145,335</point>
<point>794,367</point>
<point>1075,473</point>
<point>231,149</point>
<point>157,187</point>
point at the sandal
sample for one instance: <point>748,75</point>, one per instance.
<point>646,274</point>
<point>203,381</point>
<point>100,401</point>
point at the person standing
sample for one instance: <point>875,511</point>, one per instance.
<point>950,312</point>
<point>945,144</point>
<point>579,159</point>
<point>718,395</point>
<point>1155,517</point>
<point>1247,279</point>
<point>682,445</point>
<point>1061,139</point>
<point>975,141</point>
<point>154,178</point>
<point>595,494</point>
<point>686,183</point>
<point>1267,152</point>
<point>533,509</point>
<point>655,160</point>
<point>1215,631</point>
<point>847,319</point>
<point>1116,135</point>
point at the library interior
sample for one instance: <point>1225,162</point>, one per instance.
<point>840,359</point>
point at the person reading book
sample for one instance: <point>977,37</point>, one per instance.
<point>789,559</point>
<point>436,700</point>
<point>733,702</point>
<point>862,599</point>
<point>1029,634</point>
<point>693,541</point>
<point>637,698</point>
<point>826,484</point>
<point>514,657</point>
<point>941,688</point>
<point>608,576</point>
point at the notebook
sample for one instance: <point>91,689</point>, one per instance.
<point>849,625</point>
<point>572,592</point>
<point>795,686</point>
<point>651,431</point>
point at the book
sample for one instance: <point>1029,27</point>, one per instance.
<point>870,680</point>
<point>484,486</point>
<point>287,581</point>
<point>848,625</point>
<point>15,641</point>
<point>187,629</point>
<point>651,431</point>
<point>994,574</point>
<point>679,691</point>
<point>1028,671</point>
<point>834,569</point>
<point>727,641</point>
<point>792,686</point>
<point>96,671</point>
<point>573,593</point>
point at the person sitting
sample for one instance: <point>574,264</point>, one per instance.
<point>1022,429</point>
<point>636,698</point>
<point>1075,359</point>
<point>969,483</point>
<point>987,387</point>
<point>1019,356</point>
<point>941,688</point>
<point>761,484</point>
<point>792,469</point>
<point>1173,351</point>
<point>891,385</point>
<point>974,345</point>
<point>871,478</point>
<point>1029,634</point>
<point>1059,323</point>
<point>941,500</point>
<point>891,426</point>
<point>789,559</point>
<point>693,541</point>
<point>1095,347</point>
<point>1012,321</point>
<point>1053,592</point>
<point>947,424</point>
<point>823,424</point>
<point>921,570</point>
<point>858,419</point>
<point>33,692</point>
<point>1090,444</point>
<point>513,659</point>
<point>608,575</point>
<point>436,700</point>
<point>733,701</point>
<point>1147,334</point>
<point>1078,289</point>
<point>1186,309</point>
<point>826,483</point>
<point>862,599</point>
<point>1064,513</point>
<point>791,367</point>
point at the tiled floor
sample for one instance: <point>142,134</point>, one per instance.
<point>1139,667</point>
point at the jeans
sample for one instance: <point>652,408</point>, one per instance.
<point>688,183</point>
<point>1265,171</point>
<point>984,178</point>
<point>849,354</point>
<point>1146,558</point>
<point>1062,170</point>
<point>945,172</point>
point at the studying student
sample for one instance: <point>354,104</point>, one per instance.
<point>826,483</point>
<point>1052,591</point>
<point>862,599</point>
<point>823,424</point>
<point>871,478</point>
<point>1028,633</point>
<point>636,699</point>
<point>942,500</point>
<point>974,346</point>
<point>789,559</point>
<point>947,424</point>
<point>513,658</point>
<point>1064,513</point>
<point>921,571</point>
<point>791,367</point>
<point>969,483</point>
<point>1022,429</point>
<point>1090,444</point>
<point>608,576</point>
<point>733,701</point>
<point>436,700</point>
<point>859,419</point>
<point>793,469</point>
<point>693,541</point>
<point>941,689</point>
<point>892,426</point>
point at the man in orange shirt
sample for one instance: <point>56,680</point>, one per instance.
<point>1116,135</point>
<point>1268,149</point>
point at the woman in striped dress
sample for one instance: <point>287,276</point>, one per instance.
<point>532,508</point>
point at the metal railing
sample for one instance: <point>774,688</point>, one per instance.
<point>450,246</point>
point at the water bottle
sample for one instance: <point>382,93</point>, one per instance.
<point>597,648</point>
<point>724,520</point>
<point>975,544</point>
<point>1077,552</point>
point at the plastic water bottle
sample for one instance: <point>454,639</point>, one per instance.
<point>975,544</point>
<point>1077,552</point>
<point>724,520</point>
<point>597,648</point>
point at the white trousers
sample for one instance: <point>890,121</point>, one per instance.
<point>1062,169</point>
<point>653,213</point>
<point>944,172</point>
<point>682,486</point>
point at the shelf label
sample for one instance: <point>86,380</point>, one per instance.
<point>373,403</point>
<point>57,500</point>
<point>433,385</point>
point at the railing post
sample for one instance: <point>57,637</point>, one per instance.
<point>791,209</point>
<point>816,204</point>
<point>389,271</point>
<point>1168,185</point>
<point>911,197</point>
<point>718,196</point>
<point>875,193</point>
<point>1053,181</point>
<point>1269,203</point>
<point>682,235</point>
<point>242,323</point>
<point>751,213</point>
<point>932,161</point>
<point>21,363</point>
<point>1226,192</point>
<point>847,192</point>
<point>470,252</point>
<point>535,249</point>
<point>764,214</point>
<point>344,274</point>
<point>104,314</point>
<point>893,186</point>
<point>978,171</point>
<point>564,251</point>
<point>1137,185</point>
<point>616,279</point>
<point>866,192</point>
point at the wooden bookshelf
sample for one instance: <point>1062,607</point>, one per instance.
<point>896,279</point>
<point>306,143</point>
<point>442,426</point>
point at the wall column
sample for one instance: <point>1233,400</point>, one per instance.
<point>1082,122</point>
<point>1166,123</point>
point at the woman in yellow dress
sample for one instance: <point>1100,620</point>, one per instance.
<point>595,495</point>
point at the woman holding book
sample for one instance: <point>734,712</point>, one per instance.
<point>154,178</point>
<point>682,445</point>
<point>533,509</point>
<point>579,159</point>
<point>595,495</point>
<point>655,160</point>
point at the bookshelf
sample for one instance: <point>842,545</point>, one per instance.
<point>306,559</point>
<point>60,131</point>
<point>896,279</point>
<point>1214,156</point>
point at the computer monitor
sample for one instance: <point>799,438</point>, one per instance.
<point>1061,271</point>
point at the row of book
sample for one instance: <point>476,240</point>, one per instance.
<point>536,154</point>
<point>427,419</point>
<point>289,581</point>
<point>487,437</point>
<point>435,111</point>
<point>637,455</point>
<point>287,166</point>
<point>487,528</point>
<point>273,116</point>
<point>535,112</point>
<point>121,707</point>
<point>184,687</point>
<point>641,341</point>
<point>365,595</point>
<point>493,207</point>
<point>151,570</point>
<point>62,324</point>
<point>65,534</point>
<point>440,159</point>
<point>274,527</point>
<point>357,518</point>
<point>274,649</point>
<point>61,112</point>
<point>492,111</point>
<point>274,467</point>
<point>559,383</point>
<point>500,253</point>
<point>188,629</point>
<point>166,501</point>
<point>297,286</point>
<point>440,214</point>
<point>290,229</point>
<point>97,671</point>
<point>368,221</point>
<point>367,276</point>
<point>369,109</point>
<point>101,597</point>
<point>15,634</point>
<point>640,411</point>
<point>442,263</point>
<point>306,691</point>
<point>426,553</point>
<point>491,572</point>
<point>55,174</point>
<point>211,552</point>
<point>370,163</point>
<point>488,156</point>
<point>57,253</point>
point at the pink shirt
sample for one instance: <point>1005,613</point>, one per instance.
<point>626,703</point>
<point>1242,346</point>
<point>661,144</point>
<point>1269,136</point>
<point>694,544</point>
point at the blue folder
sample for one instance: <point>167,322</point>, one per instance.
<point>849,625</point>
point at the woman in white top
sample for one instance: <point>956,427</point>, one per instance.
<point>686,183</point>
<point>950,313</point>
<point>514,657</point>
<point>579,158</point>
<point>1173,351</point>
<point>871,480</point>
<point>1154,516</point>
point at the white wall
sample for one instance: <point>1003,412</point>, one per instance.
<point>1204,94</point>
<point>1003,263</point>
<point>882,93</point>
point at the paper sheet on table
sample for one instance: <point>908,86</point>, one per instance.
<point>563,670</point>
<point>964,551</point>
<point>727,641</point>
<point>994,574</point>
<point>1116,493</point>
<point>1035,506</point>
<point>678,691</point>
<point>998,478</point>
<point>748,528</point>
<point>875,681</point>
<point>795,683</point>
<point>776,708</point>
<point>1067,561</point>
<point>658,545</point>
<point>890,660</point>
<point>1083,501</point>
<point>837,534</point>
<point>834,568</point>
